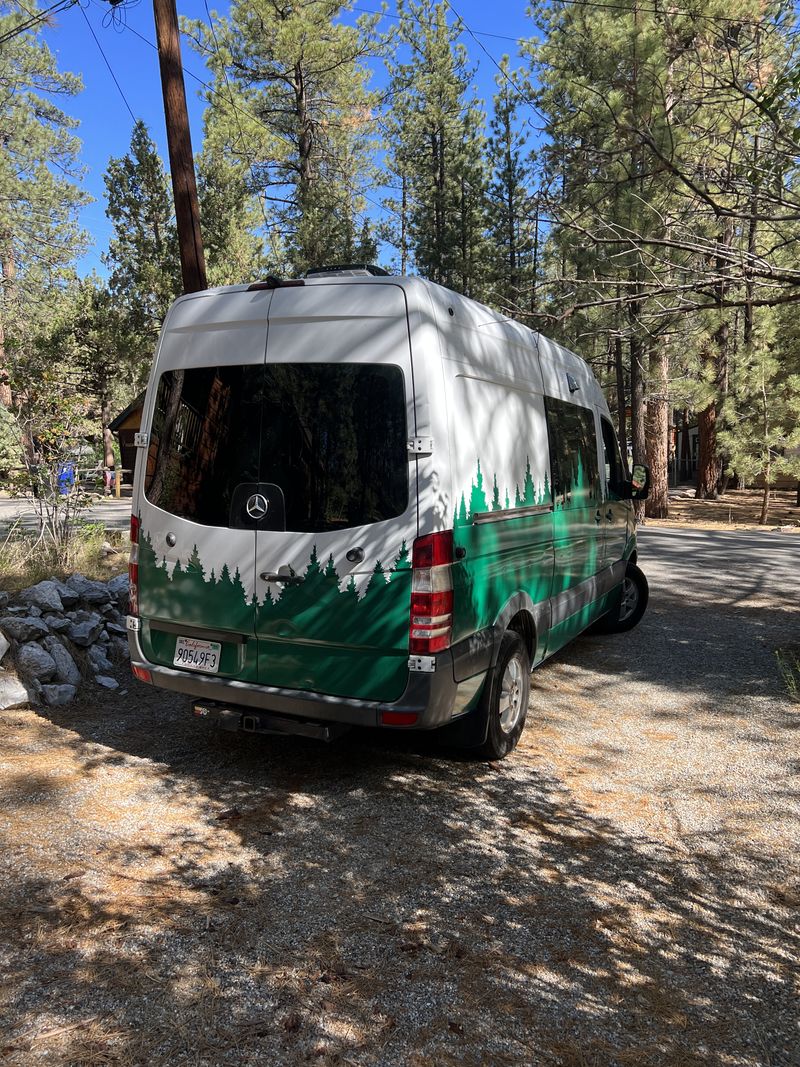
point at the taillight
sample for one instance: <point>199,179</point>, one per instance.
<point>431,625</point>
<point>133,568</point>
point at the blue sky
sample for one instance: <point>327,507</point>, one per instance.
<point>128,44</point>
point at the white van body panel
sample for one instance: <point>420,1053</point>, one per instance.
<point>479,390</point>
<point>331,323</point>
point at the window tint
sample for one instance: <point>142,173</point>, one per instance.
<point>573,452</point>
<point>204,440</point>
<point>330,437</point>
<point>613,462</point>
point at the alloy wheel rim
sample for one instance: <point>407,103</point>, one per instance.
<point>630,599</point>
<point>511,688</point>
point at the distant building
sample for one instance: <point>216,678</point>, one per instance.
<point>125,425</point>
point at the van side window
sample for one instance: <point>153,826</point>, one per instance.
<point>573,452</point>
<point>331,437</point>
<point>615,476</point>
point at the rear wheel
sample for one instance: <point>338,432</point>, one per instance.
<point>634,595</point>
<point>505,697</point>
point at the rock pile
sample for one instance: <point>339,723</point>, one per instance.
<point>59,634</point>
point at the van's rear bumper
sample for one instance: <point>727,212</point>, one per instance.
<point>435,697</point>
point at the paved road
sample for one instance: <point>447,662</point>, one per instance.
<point>115,514</point>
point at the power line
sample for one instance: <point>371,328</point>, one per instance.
<point>419,22</point>
<point>110,69</point>
<point>600,5</point>
<point>522,95</point>
<point>35,18</point>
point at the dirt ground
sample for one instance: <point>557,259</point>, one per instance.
<point>622,892</point>
<point>738,509</point>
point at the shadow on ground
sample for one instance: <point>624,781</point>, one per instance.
<point>375,902</point>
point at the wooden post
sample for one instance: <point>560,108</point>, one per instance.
<point>118,484</point>
<point>181,160</point>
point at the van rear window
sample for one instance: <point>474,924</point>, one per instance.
<point>332,438</point>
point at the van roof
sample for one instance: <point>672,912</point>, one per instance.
<point>451,308</point>
<point>471,312</point>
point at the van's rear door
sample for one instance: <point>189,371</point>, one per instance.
<point>333,577</point>
<point>197,544</point>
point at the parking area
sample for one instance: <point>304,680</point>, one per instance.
<point>622,890</point>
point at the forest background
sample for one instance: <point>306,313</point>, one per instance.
<point>628,187</point>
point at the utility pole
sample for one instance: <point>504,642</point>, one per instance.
<point>181,160</point>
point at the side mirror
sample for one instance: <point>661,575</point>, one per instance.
<point>640,481</point>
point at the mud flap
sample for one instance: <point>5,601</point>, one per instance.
<point>468,731</point>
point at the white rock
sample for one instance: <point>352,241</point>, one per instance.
<point>4,645</point>
<point>107,683</point>
<point>13,693</point>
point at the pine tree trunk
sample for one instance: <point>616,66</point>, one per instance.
<point>686,452</point>
<point>8,272</point>
<point>535,256</point>
<point>403,226</point>
<point>765,498</point>
<point>708,464</point>
<point>657,503</point>
<point>108,437</point>
<point>5,387</point>
<point>638,437</point>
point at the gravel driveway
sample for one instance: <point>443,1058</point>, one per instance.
<point>623,890</point>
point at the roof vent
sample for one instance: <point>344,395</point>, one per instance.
<point>572,383</point>
<point>271,282</point>
<point>349,270</point>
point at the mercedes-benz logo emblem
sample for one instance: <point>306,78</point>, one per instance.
<point>257,506</point>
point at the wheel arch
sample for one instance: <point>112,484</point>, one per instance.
<point>521,615</point>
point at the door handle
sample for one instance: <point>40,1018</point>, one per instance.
<point>283,579</point>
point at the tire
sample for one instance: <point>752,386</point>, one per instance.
<point>632,605</point>
<point>504,702</point>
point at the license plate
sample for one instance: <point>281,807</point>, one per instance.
<point>197,655</point>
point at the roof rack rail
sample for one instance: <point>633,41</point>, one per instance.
<point>347,269</point>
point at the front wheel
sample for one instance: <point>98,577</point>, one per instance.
<point>505,697</point>
<point>634,595</point>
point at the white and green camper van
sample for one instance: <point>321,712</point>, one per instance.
<point>366,500</point>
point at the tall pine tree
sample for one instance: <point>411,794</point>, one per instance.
<point>39,186</point>
<point>291,102</point>
<point>435,149</point>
